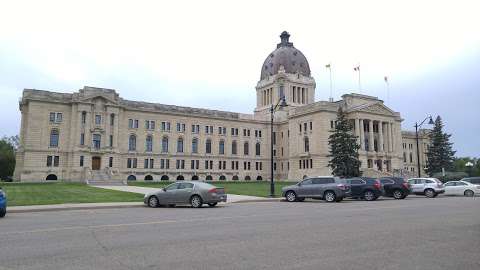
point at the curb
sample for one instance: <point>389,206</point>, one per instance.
<point>259,200</point>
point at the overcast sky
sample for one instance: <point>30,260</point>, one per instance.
<point>209,53</point>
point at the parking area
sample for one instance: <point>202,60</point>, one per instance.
<point>415,233</point>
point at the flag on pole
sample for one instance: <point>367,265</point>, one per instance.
<point>327,66</point>
<point>357,68</point>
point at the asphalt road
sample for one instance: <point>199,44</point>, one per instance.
<point>416,233</point>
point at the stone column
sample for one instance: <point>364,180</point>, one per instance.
<point>380,137</point>
<point>357,130</point>
<point>392,128</point>
<point>362,135</point>
<point>370,137</point>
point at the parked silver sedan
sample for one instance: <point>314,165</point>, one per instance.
<point>194,193</point>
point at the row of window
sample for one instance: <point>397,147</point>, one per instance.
<point>132,145</point>
<point>305,164</point>
<point>98,119</point>
<point>181,127</point>
<point>305,126</point>
<point>180,164</point>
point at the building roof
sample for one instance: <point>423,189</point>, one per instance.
<point>285,55</point>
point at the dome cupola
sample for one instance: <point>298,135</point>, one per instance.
<point>285,55</point>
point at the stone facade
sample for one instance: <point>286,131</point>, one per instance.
<point>95,135</point>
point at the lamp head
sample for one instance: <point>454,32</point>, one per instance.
<point>430,122</point>
<point>283,103</point>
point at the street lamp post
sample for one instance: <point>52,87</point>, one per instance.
<point>281,103</point>
<point>430,122</point>
<point>469,166</point>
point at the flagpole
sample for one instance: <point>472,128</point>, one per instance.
<point>359,81</point>
<point>329,66</point>
<point>387,86</point>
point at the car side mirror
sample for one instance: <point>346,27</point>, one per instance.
<point>164,189</point>
<point>299,184</point>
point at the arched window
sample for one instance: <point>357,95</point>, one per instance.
<point>247,178</point>
<point>51,177</point>
<point>195,177</point>
<point>245,148</point>
<point>131,178</point>
<point>180,177</point>
<point>222,178</point>
<point>221,147</point>
<point>209,178</point>
<point>306,144</point>
<point>54,136</point>
<point>164,178</point>
<point>132,143</point>
<point>149,143</point>
<point>234,147</point>
<point>257,149</point>
<point>259,178</point>
<point>180,145</point>
<point>148,178</point>
<point>195,145</point>
<point>235,178</point>
<point>208,146</point>
<point>165,145</point>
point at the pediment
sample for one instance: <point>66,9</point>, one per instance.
<point>94,99</point>
<point>376,108</point>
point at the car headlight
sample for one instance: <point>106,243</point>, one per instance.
<point>2,194</point>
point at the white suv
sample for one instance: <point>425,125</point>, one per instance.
<point>429,187</point>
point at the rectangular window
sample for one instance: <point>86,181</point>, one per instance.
<point>145,164</point>
<point>130,123</point>
<point>110,143</point>
<point>84,117</point>
<point>206,164</point>
<point>56,161</point>
<point>274,138</point>
<point>98,119</point>
<point>129,163</point>
<point>110,162</point>
<point>197,164</point>
<point>56,117</point>
<point>49,161</point>
<point>112,119</point>
<point>248,132</point>
<point>96,141</point>
<point>260,133</point>
<point>192,164</point>
<point>167,163</point>
<point>134,163</point>
<point>179,127</point>
<point>135,124</point>
<point>52,117</point>
<point>82,139</point>
<point>81,161</point>
<point>311,125</point>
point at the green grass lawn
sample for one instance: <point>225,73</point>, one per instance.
<point>259,189</point>
<point>57,193</point>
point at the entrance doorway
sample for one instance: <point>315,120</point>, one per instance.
<point>96,161</point>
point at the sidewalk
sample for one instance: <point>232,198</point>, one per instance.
<point>231,198</point>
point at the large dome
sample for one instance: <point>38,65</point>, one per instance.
<point>287,56</point>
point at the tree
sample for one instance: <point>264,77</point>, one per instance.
<point>344,148</point>
<point>7,156</point>
<point>439,154</point>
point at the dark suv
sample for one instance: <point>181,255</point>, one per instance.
<point>365,188</point>
<point>395,187</point>
<point>328,188</point>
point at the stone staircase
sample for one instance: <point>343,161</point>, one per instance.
<point>103,178</point>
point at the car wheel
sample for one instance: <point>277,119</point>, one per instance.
<point>212,204</point>
<point>369,195</point>
<point>196,201</point>
<point>398,194</point>
<point>290,196</point>
<point>468,193</point>
<point>430,193</point>
<point>153,201</point>
<point>330,196</point>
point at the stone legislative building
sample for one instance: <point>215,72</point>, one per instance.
<point>94,135</point>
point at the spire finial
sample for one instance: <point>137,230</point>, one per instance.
<point>284,40</point>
